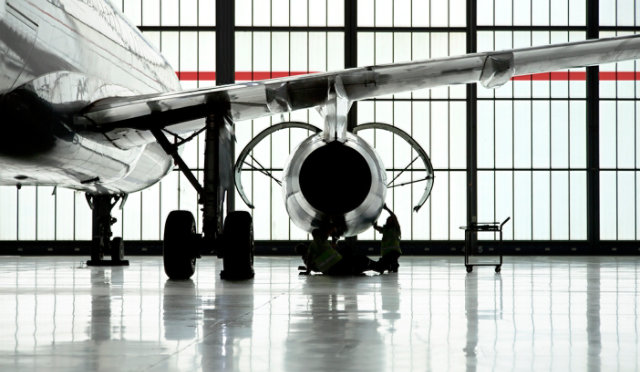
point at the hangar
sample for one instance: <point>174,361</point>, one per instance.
<point>556,151</point>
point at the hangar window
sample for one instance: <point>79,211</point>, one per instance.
<point>532,150</point>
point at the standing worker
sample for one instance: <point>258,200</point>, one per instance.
<point>323,257</point>
<point>390,246</point>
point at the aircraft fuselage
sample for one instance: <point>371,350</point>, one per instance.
<point>56,57</point>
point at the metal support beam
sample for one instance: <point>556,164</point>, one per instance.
<point>351,57</point>
<point>351,51</point>
<point>225,42</point>
<point>225,61</point>
<point>472,119</point>
<point>210,199</point>
<point>172,150</point>
<point>593,134</point>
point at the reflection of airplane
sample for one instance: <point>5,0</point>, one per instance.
<point>88,104</point>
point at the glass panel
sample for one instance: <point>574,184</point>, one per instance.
<point>522,134</point>
<point>243,18</point>
<point>440,222</point>
<point>8,213</point>
<point>170,11</point>
<point>457,204</point>
<point>27,221</point>
<point>150,206</point>
<point>608,120</point>
<point>541,206</point>
<point>401,13</point>
<point>485,134</point>
<point>486,196</point>
<point>207,12</point>
<point>46,210</point>
<point>421,13</point>
<point>543,128</point>
<point>578,205</point>
<point>65,203</point>
<point>189,12</point>
<point>608,204</point>
<point>503,134</point>
<point>619,13</point>
<point>627,208</point>
<point>318,13</point>
<point>83,217</point>
<point>280,12</point>
<point>457,15</point>
<point>578,134</point>
<point>560,205</point>
<point>151,13</point>
<point>504,201</point>
<point>522,206</point>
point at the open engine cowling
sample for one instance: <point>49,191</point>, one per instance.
<point>341,183</point>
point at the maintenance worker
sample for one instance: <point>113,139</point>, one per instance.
<point>323,257</point>
<point>390,246</point>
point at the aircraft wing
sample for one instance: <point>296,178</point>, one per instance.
<point>252,100</point>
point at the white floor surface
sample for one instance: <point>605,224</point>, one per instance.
<point>539,314</point>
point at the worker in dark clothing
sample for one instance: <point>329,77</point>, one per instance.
<point>324,257</point>
<point>390,246</point>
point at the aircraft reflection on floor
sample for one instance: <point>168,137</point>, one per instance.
<point>546,313</point>
<point>337,312</point>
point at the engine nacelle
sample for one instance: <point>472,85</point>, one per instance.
<point>344,183</point>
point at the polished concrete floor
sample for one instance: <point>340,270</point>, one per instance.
<point>539,314</point>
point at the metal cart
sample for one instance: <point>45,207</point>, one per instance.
<point>481,227</point>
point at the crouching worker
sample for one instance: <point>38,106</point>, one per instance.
<point>321,256</point>
<point>390,246</point>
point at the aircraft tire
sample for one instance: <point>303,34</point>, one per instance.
<point>178,256</point>
<point>238,249</point>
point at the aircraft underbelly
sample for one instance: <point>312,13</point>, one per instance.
<point>86,165</point>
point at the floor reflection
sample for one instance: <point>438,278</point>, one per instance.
<point>544,313</point>
<point>471,312</point>
<point>336,327</point>
<point>593,317</point>
<point>100,326</point>
<point>180,310</point>
<point>228,319</point>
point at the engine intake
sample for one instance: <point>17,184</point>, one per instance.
<point>335,178</point>
<point>341,182</point>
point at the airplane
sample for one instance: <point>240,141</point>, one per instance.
<point>89,104</point>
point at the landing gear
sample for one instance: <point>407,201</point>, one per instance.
<point>101,206</point>
<point>179,251</point>
<point>117,250</point>
<point>231,241</point>
<point>237,253</point>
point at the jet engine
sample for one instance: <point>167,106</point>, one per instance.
<point>342,183</point>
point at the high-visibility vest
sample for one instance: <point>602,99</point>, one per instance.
<point>390,240</point>
<point>323,255</point>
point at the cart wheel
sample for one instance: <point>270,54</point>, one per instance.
<point>469,268</point>
<point>498,268</point>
